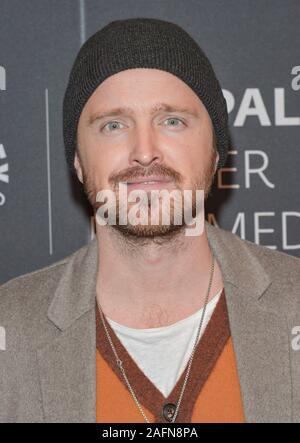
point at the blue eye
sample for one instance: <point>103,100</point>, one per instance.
<point>113,125</point>
<point>174,119</point>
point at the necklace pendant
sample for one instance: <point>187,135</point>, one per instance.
<point>169,411</point>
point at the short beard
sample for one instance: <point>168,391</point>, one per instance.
<point>160,233</point>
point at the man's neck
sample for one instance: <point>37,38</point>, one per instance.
<point>150,286</point>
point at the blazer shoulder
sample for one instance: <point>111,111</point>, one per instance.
<point>33,288</point>
<point>264,253</point>
<point>283,268</point>
<point>277,258</point>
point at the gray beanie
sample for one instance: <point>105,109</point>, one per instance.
<point>142,43</point>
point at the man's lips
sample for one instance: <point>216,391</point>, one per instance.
<point>150,179</point>
<point>148,182</point>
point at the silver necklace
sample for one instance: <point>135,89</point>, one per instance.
<point>120,363</point>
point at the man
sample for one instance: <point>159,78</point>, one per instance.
<point>146,323</point>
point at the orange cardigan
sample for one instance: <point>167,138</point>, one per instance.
<point>212,394</point>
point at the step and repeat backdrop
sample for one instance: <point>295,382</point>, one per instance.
<point>254,48</point>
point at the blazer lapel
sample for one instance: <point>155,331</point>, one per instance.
<point>259,333</point>
<point>67,363</point>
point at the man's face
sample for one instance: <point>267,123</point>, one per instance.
<point>144,123</point>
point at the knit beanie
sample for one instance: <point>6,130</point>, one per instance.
<point>142,43</point>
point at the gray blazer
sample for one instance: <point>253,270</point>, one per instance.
<point>47,370</point>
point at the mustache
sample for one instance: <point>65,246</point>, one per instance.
<point>137,171</point>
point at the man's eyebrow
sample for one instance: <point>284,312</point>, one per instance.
<point>129,111</point>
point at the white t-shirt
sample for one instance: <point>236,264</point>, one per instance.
<point>163,353</point>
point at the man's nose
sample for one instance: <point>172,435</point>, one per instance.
<point>145,147</point>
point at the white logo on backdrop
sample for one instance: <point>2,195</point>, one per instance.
<point>252,104</point>
<point>3,166</point>
<point>3,172</point>
<point>2,79</point>
<point>255,167</point>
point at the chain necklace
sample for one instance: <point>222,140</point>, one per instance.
<point>120,363</point>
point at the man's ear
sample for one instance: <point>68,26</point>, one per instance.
<point>78,168</point>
